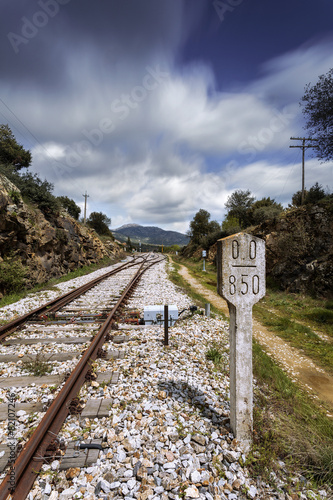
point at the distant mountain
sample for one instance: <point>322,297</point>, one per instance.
<point>149,235</point>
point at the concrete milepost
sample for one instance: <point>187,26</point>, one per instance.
<point>241,282</point>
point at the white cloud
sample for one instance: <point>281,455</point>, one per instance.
<point>154,166</point>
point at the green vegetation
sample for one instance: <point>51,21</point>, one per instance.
<point>201,227</point>
<point>38,366</point>
<point>15,196</point>
<point>33,189</point>
<point>242,212</point>
<point>11,152</point>
<point>288,426</point>
<point>318,112</point>
<point>100,222</point>
<point>72,208</point>
<point>12,276</point>
<point>286,314</point>
<point>315,194</point>
<point>218,354</point>
<point>20,293</point>
<point>238,206</point>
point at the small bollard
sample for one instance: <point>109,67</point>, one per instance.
<point>204,254</point>
<point>166,325</point>
<point>241,282</point>
<point>207,310</point>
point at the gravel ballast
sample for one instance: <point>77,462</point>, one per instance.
<point>167,435</point>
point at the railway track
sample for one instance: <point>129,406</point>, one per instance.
<point>81,317</point>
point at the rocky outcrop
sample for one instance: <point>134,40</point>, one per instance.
<point>299,249</point>
<point>46,247</point>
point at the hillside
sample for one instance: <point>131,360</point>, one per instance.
<point>149,235</point>
<point>34,249</point>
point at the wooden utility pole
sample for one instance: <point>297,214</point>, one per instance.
<point>303,146</point>
<point>85,196</point>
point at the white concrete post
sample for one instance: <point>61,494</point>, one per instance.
<point>204,254</point>
<point>241,281</point>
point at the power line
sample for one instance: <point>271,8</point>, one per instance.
<point>303,146</point>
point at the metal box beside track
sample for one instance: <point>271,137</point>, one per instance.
<point>154,315</point>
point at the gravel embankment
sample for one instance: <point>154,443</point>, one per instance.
<point>167,435</point>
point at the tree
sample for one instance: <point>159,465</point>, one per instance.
<point>318,111</point>
<point>12,153</point>
<point>238,205</point>
<point>100,222</point>
<point>203,231</point>
<point>129,245</point>
<point>199,225</point>
<point>231,225</point>
<point>264,209</point>
<point>313,195</point>
<point>72,208</point>
<point>38,192</point>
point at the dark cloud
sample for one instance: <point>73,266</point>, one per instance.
<point>126,99</point>
<point>40,39</point>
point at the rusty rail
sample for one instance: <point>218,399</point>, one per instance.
<point>56,304</point>
<point>31,458</point>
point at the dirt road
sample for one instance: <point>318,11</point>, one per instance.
<point>299,367</point>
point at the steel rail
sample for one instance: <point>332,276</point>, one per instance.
<point>30,460</point>
<point>59,302</point>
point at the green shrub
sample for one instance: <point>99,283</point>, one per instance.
<point>12,276</point>
<point>32,188</point>
<point>15,196</point>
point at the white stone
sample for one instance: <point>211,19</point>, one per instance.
<point>114,485</point>
<point>67,494</point>
<point>195,476</point>
<point>252,492</point>
<point>192,492</point>
<point>47,489</point>
<point>55,465</point>
<point>131,484</point>
<point>169,465</point>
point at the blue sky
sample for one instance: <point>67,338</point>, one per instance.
<point>160,108</point>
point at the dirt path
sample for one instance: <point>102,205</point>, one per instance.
<point>299,367</point>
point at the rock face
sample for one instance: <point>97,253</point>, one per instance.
<point>47,247</point>
<point>299,249</point>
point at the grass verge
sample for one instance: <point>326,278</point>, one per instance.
<point>298,335</point>
<point>302,321</point>
<point>288,426</point>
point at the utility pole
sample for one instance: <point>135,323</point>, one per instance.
<point>85,196</point>
<point>303,146</point>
